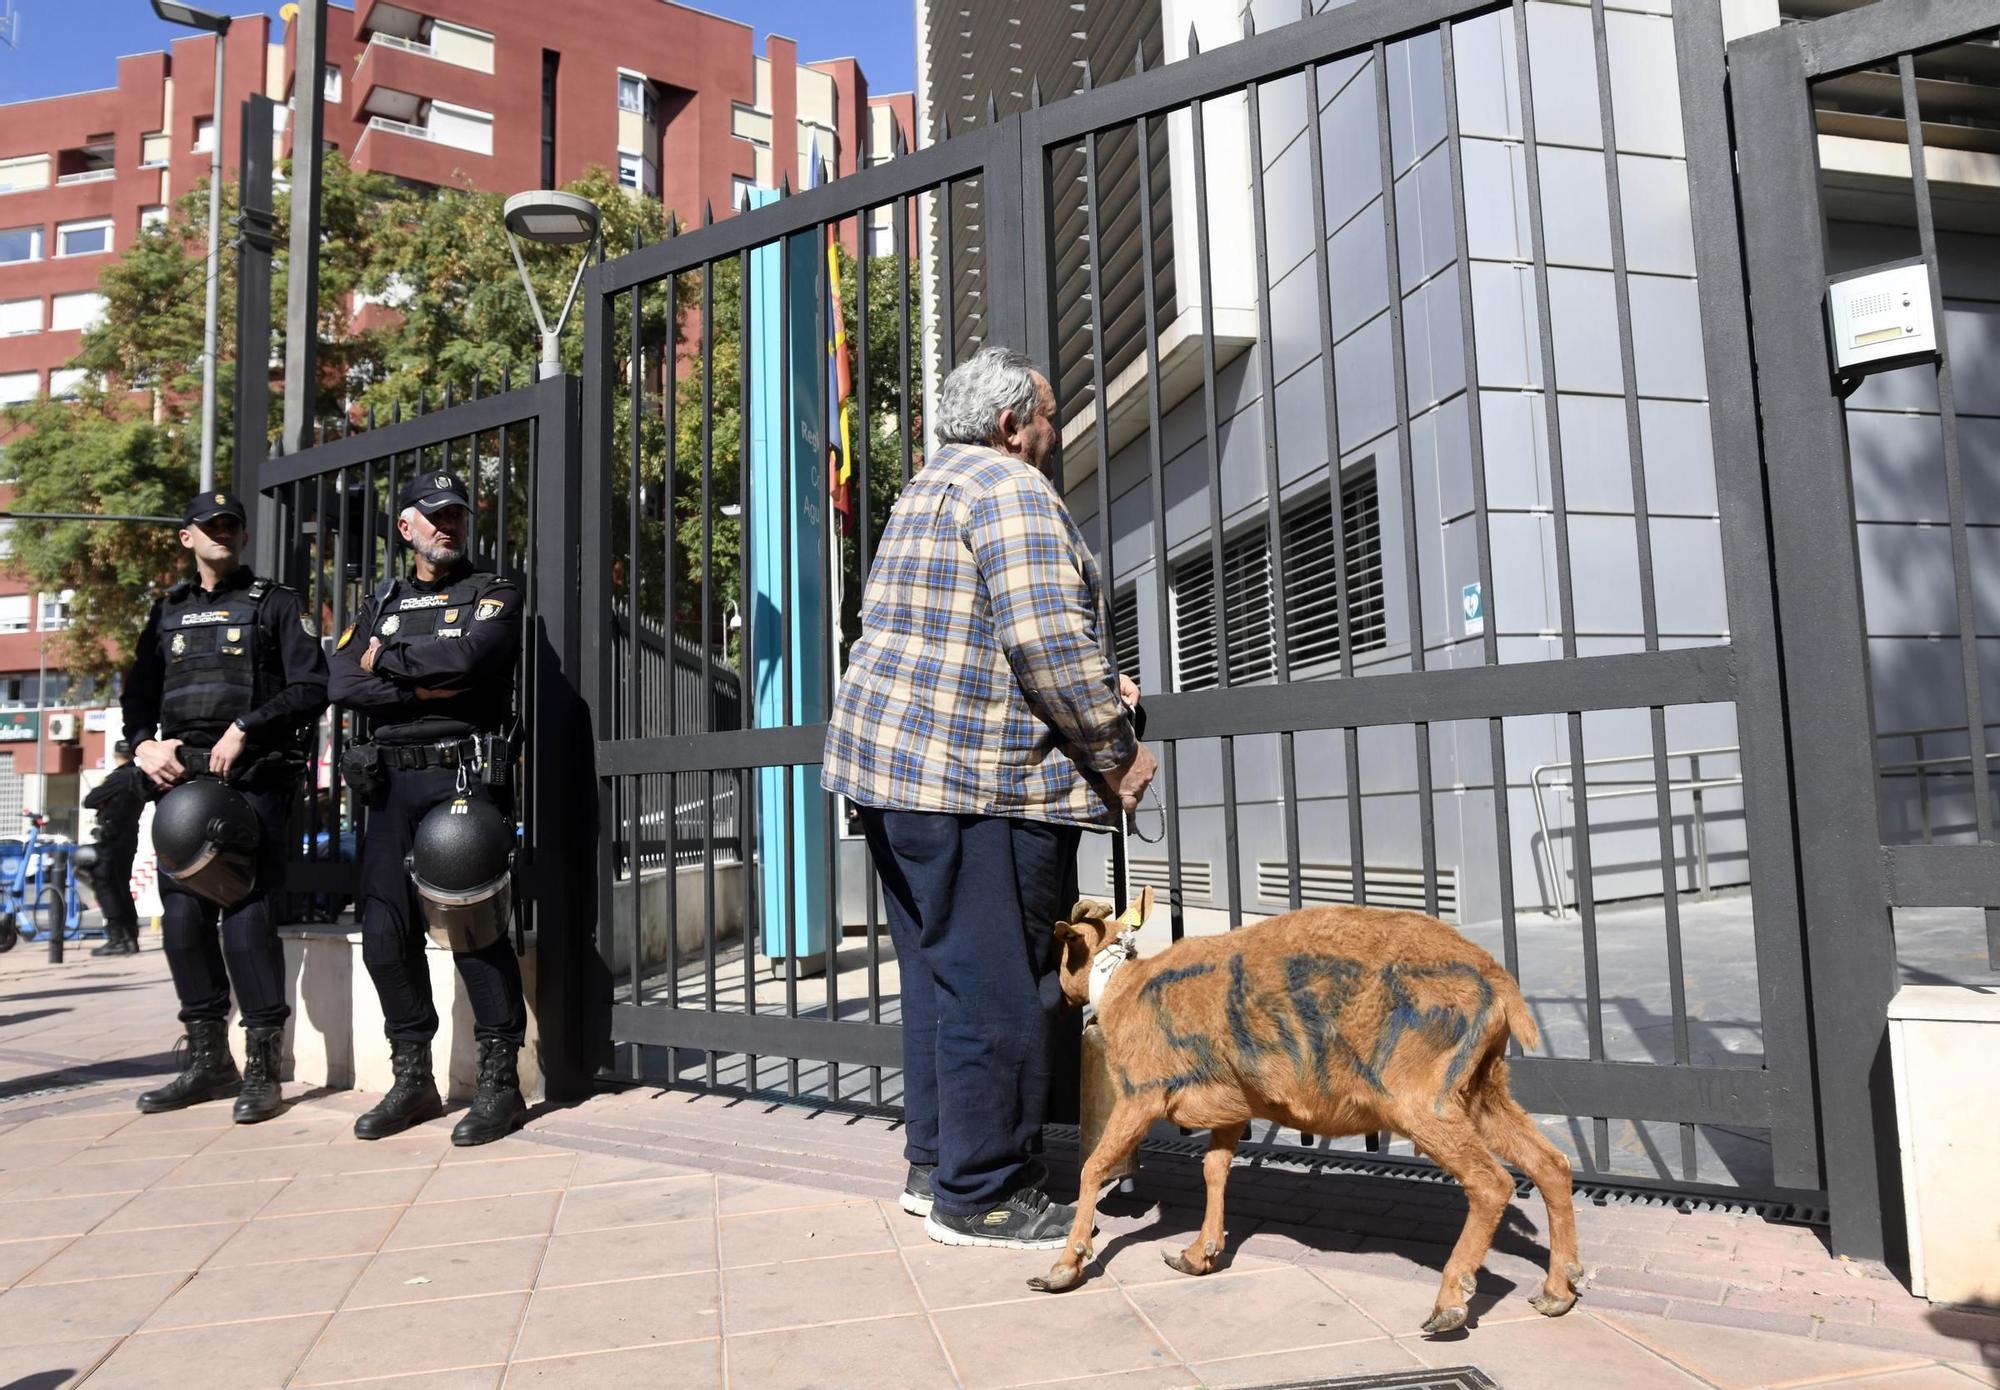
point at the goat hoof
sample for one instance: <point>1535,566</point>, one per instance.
<point>1176,1260</point>
<point>1444,1320</point>
<point>1467,1283</point>
<point>1057,1279</point>
<point>1574,1273</point>
<point>1551,1305</point>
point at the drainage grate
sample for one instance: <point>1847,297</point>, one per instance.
<point>1450,1378</point>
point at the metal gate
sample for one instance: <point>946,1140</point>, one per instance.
<point>1860,870</point>
<point>1364,736</point>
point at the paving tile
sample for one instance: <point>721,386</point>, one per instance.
<point>1399,1306</point>
<point>248,1165</point>
<point>461,1334</point>
<point>1923,1377</point>
<point>1075,1334</point>
<point>20,1161</point>
<point>1818,1307</point>
<point>684,1365</point>
<point>82,1311</point>
<point>232,1203</point>
<point>736,1195</point>
<point>1271,1368</point>
<point>1644,1281</point>
<point>456,1182</point>
<point>593,1168</point>
<point>259,1291</point>
<point>762,1297</point>
<point>512,1147</point>
<point>956,1276</point>
<point>1932,1344</point>
<point>448,1271</point>
<point>215,1114</point>
<point>882,1354</point>
<point>628,1252</point>
<point>1138,1259</point>
<point>406,1150</point>
<point>907,1230</point>
<point>1154,1378</point>
<point>292,1129</point>
<point>482,1218</point>
<point>636,1203</point>
<point>846,1229</point>
<point>1554,1351</point>
<point>105,1256</point>
<point>20,1258</point>
<point>87,1126</point>
<point>273,1239</point>
<point>58,1365</point>
<point>144,1143</point>
<point>125,1175</point>
<point>465,1378</point>
<point>630,1313</point>
<point>1734,1358</point>
<point>230,1356</point>
<point>320,1192</point>
<point>1273,1310</point>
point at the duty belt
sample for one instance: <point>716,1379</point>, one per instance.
<point>415,757</point>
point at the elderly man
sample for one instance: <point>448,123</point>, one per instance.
<point>979,730</point>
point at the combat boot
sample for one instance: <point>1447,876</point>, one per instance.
<point>411,1100</point>
<point>260,1099</point>
<point>210,1073</point>
<point>497,1107</point>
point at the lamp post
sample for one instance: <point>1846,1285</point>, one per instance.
<point>552,219</point>
<point>173,12</point>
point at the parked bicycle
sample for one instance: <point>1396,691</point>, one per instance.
<point>32,901</point>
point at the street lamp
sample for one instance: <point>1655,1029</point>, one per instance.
<point>173,12</point>
<point>553,219</point>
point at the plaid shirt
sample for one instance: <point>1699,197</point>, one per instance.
<point>978,685</point>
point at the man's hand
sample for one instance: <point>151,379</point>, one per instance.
<point>368,657</point>
<point>159,759</point>
<point>222,758</point>
<point>1128,691</point>
<point>1129,780</point>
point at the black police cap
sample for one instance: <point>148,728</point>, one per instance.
<point>206,506</point>
<point>433,492</point>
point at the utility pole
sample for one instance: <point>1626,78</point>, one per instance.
<point>256,239</point>
<point>302,285</point>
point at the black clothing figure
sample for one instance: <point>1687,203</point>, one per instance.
<point>119,800</point>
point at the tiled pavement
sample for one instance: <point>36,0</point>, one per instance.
<point>687,1240</point>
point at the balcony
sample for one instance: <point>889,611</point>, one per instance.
<point>382,17</point>
<point>432,153</point>
<point>396,76</point>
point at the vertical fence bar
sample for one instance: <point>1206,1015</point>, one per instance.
<point>864,521</point>
<point>632,790</point>
<point>707,640</point>
<point>753,894</point>
<point>827,555</point>
<point>788,479</point>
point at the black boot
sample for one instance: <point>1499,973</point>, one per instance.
<point>210,1073</point>
<point>114,944</point>
<point>497,1107</point>
<point>130,942</point>
<point>260,1099</point>
<point>412,1100</point>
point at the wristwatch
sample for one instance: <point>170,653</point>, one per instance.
<point>237,723</point>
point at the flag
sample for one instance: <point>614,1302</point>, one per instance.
<point>840,377</point>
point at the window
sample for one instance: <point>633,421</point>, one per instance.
<point>330,82</point>
<point>6,540</point>
<point>152,215</point>
<point>66,382</point>
<point>55,610</point>
<point>739,192</point>
<point>17,387</point>
<point>20,244</point>
<point>461,127</point>
<point>635,94</point>
<point>83,238</point>
<point>551,63</point>
<point>204,136</point>
<point>82,310</point>
<point>20,316</point>
<point>636,171</point>
<point>29,171</point>
<point>882,240</point>
<point>1125,631</point>
<point>154,150</point>
<point>16,614</point>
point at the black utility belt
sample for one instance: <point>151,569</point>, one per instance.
<point>469,752</point>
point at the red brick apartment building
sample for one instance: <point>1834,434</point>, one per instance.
<point>501,94</point>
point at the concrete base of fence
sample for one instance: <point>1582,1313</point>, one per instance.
<point>690,912</point>
<point>1942,1040</point>
<point>334,1038</point>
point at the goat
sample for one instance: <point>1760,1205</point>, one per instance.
<point>1332,1020</point>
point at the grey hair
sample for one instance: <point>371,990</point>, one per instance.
<point>992,380</point>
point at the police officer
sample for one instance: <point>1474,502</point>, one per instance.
<point>119,800</point>
<point>228,679</point>
<point>430,659</point>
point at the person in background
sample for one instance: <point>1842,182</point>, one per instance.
<point>119,800</point>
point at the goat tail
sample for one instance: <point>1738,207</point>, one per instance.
<point>1520,1022</point>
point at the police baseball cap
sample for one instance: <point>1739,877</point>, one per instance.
<point>206,506</point>
<point>433,492</point>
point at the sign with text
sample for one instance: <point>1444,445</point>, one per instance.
<point>19,726</point>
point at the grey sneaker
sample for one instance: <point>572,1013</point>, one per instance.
<point>917,1189</point>
<point>1028,1220</point>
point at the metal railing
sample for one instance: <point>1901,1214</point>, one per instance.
<point>1920,766</point>
<point>87,176</point>
<point>1694,783</point>
<point>422,50</point>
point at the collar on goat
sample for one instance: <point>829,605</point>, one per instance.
<point>1105,963</point>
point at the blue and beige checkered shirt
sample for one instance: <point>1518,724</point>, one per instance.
<point>978,685</point>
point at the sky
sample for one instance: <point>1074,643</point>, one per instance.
<point>74,45</point>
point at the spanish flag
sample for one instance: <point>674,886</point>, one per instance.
<point>840,466</point>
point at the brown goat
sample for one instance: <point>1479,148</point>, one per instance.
<point>1335,1021</point>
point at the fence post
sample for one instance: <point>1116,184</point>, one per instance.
<point>256,222</point>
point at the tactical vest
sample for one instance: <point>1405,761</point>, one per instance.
<point>209,648</point>
<point>404,614</point>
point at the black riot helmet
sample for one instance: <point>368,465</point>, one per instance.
<point>461,863</point>
<point>206,837</point>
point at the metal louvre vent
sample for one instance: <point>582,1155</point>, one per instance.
<point>1125,632</point>
<point>1197,875</point>
<point>1383,885</point>
<point>1246,571</point>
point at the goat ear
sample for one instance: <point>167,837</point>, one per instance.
<point>1145,904</point>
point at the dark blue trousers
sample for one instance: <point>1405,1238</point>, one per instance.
<point>973,902</point>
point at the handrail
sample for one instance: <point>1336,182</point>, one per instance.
<point>1694,783</point>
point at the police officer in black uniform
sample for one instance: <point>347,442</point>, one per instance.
<point>228,679</point>
<point>430,661</point>
<point>119,800</point>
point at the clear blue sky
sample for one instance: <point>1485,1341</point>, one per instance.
<point>74,45</point>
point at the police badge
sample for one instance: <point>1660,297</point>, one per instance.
<point>488,608</point>
<point>180,643</point>
<point>236,634</point>
<point>451,615</point>
<point>307,624</point>
<point>391,623</point>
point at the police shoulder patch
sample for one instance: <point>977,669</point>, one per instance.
<point>346,636</point>
<point>307,624</point>
<point>488,608</point>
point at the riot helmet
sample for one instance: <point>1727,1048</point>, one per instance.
<point>86,857</point>
<point>206,837</point>
<point>461,864</point>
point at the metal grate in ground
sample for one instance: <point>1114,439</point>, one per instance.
<point>1450,1378</point>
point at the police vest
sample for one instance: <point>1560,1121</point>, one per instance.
<point>443,615</point>
<point>209,647</point>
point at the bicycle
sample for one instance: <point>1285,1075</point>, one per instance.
<point>30,907</point>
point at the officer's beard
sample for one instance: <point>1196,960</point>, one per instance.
<point>441,551</point>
